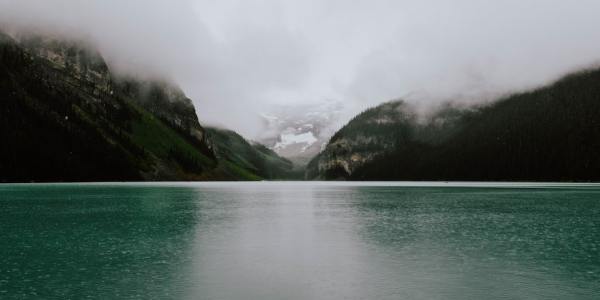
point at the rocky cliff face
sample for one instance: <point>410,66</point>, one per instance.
<point>367,136</point>
<point>165,101</point>
<point>67,117</point>
<point>83,68</point>
<point>80,66</point>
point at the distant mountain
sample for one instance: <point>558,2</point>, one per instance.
<point>549,134</point>
<point>65,116</point>
<point>238,156</point>
<point>299,132</point>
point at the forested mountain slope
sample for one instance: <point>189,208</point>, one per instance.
<point>64,116</point>
<point>549,134</point>
<point>236,154</point>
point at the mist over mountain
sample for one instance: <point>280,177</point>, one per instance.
<point>263,71</point>
<point>66,116</point>
<point>300,132</point>
<point>548,134</point>
<point>189,149</point>
<point>239,58</point>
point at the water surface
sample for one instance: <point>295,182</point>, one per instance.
<point>300,241</point>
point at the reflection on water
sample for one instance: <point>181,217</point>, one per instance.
<point>299,241</point>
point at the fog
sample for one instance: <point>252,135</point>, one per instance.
<point>238,58</point>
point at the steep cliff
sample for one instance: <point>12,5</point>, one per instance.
<point>66,117</point>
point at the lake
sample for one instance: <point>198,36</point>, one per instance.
<point>300,241</point>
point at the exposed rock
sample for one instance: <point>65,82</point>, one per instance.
<point>366,137</point>
<point>68,118</point>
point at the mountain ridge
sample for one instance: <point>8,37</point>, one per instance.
<point>66,116</point>
<point>548,134</point>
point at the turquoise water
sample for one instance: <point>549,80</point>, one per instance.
<point>300,241</point>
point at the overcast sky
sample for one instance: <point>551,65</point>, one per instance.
<point>236,58</point>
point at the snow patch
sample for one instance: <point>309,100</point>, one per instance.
<point>288,139</point>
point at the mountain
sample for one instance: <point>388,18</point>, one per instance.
<point>238,156</point>
<point>65,116</point>
<point>549,134</point>
<point>300,132</point>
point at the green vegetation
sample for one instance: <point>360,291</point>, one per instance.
<point>251,161</point>
<point>65,117</point>
<point>76,122</point>
<point>155,136</point>
<point>550,134</point>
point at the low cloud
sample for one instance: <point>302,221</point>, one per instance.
<point>237,58</point>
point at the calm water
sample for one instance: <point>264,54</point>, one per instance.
<point>299,241</point>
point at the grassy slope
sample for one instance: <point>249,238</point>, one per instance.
<point>154,136</point>
<point>240,157</point>
<point>57,132</point>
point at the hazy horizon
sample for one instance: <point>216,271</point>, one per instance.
<point>238,60</point>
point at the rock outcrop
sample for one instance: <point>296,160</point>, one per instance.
<point>549,134</point>
<point>67,117</point>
